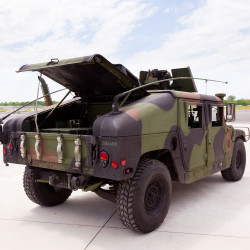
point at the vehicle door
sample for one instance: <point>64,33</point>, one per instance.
<point>216,128</point>
<point>193,134</point>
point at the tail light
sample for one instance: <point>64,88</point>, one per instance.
<point>104,158</point>
<point>114,164</point>
<point>123,162</point>
<point>10,148</point>
<point>128,170</point>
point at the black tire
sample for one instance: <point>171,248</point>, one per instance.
<point>143,201</point>
<point>42,193</point>
<point>238,163</point>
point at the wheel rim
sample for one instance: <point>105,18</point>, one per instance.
<point>238,160</point>
<point>153,196</point>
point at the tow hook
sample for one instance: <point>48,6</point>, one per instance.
<point>75,182</point>
<point>53,180</point>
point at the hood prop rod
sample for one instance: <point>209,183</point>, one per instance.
<point>28,103</point>
<point>58,104</point>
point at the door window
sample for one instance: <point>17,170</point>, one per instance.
<point>217,116</point>
<point>195,116</point>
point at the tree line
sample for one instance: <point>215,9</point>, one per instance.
<point>40,103</point>
<point>231,98</point>
<point>243,102</point>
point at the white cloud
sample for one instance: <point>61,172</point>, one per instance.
<point>166,10</point>
<point>35,31</point>
<point>214,40</point>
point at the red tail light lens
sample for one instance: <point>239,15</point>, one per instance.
<point>123,162</point>
<point>5,151</point>
<point>104,156</point>
<point>128,170</point>
<point>114,164</point>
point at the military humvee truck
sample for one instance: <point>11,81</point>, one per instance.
<point>123,138</point>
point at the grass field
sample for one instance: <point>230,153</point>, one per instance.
<point>242,107</point>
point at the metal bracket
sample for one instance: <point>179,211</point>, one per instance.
<point>38,147</point>
<point>53,61</point>
<point>69,180</point>
<point>59,148</point>
<point>53,180</point>
<point>77,152</point>
<point>23,146</point>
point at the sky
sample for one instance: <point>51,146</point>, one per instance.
<point>210,36</point>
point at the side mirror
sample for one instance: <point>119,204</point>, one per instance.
<point>230,112</point>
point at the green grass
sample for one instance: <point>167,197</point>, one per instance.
<point>242,107</point>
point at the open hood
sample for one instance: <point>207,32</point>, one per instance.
<point>87,76</point>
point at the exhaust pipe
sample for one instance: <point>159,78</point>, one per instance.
<point>45,90</point>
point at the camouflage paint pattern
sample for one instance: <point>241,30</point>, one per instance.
<point>154,123</point>
<point>152,126</point>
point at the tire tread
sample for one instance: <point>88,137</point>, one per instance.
<point>31,189</point>
<point>125,196</point>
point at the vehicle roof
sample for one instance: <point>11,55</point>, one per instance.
<point>197,96</point>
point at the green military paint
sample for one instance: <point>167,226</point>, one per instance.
<point>161,131</point>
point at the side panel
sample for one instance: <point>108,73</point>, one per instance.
<point>49,154</point>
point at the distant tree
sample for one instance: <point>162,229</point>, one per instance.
<point>231,98</point>
<point>242,102</point>
<point>40,103</point>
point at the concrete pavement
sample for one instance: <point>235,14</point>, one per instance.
<point>208,214</point>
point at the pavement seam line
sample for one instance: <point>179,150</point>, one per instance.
<point>100,230</point>
<point>47,222</point>
<point>212,235</point>
<point>173,232</point>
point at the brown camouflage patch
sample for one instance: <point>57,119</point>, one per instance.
<point>45,154</point>
<point>228,140</point>
<point>133,113</point>
<point>188,95</point>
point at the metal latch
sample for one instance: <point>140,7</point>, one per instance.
<point>60,149</point>
<point>23,146</point>
<point>38,147</point>
<point>53,61</point>
<point>77,152</point>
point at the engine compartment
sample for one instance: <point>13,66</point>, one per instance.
<point>74,117</point>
